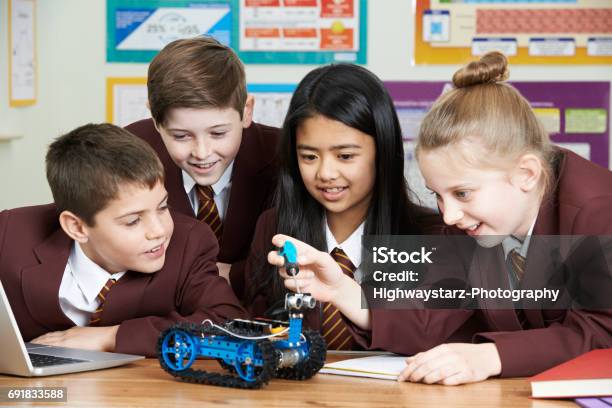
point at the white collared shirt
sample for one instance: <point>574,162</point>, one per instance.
<point>351,247</point>
<point>82,281</point>
<point>512,242</point>
<point>221,188</point>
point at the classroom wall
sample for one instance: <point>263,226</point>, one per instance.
<point>71,37</point>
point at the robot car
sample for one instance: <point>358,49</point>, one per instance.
<point>252,351</point>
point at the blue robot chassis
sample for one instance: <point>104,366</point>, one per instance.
<point>252,351</point>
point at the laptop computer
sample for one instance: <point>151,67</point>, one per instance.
<point>34,360</point>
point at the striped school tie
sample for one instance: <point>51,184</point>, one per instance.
<point>518,267</point>
<point>95,318</point>
<point>518,264</point>
<point>208,211</point>
<point>334,329</point>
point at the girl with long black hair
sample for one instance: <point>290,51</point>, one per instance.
<point>341,176</point>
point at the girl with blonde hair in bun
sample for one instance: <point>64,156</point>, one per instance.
<point>499,179</point>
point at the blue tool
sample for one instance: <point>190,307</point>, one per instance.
<point>289,252</point>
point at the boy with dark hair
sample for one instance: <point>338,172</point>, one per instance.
<point>220,165</point>
<point>108,266</point>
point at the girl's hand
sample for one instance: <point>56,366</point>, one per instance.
<point>319,274</point>
<point>453,364</point>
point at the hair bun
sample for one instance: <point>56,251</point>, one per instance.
<point>492,67</point>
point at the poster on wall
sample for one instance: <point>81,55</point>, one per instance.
<point>126,100</point>
<point>271,102</point>
<point>300,31</point>
<point>138,29</point>
<point>576,115</point>
<point>22,52</point>
<point>528,32</point>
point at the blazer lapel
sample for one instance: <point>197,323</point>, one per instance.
<point>489,272</point>
<point>125,297</point>
<point>537,266</point>
<point>241,211</point>
<point>177,197</point>
<point>40,283</point>
<point>547,222</point>
<point>245,203</point>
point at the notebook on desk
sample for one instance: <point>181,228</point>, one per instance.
<point>384,367</point>
<point>33,360</point>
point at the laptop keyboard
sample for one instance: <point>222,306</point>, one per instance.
<point>41,360</point>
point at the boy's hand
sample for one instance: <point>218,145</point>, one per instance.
<point>90,338</point>
<point>319,274</point>
<point>453,364</point>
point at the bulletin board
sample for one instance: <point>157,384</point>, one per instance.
<point>138,29</point>
<point>527,31</point>
<point>576,115</point>
<point>300,31</point>
<point>260,31</point>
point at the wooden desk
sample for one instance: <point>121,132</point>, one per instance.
<point>144,384</point>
